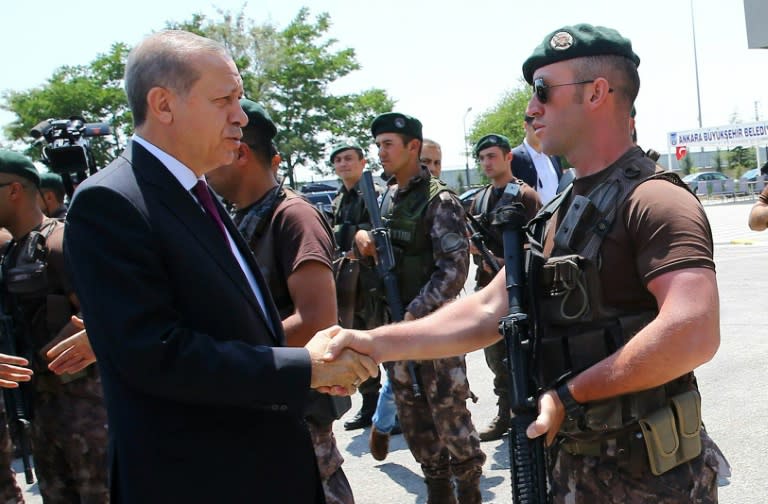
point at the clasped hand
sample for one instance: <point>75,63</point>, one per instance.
<point>344,372</point>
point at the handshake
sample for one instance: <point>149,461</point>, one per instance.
<point>341,360</point>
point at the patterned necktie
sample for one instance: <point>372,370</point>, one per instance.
<point>204,197</point>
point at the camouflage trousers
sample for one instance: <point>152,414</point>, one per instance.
<point>10,493</point>
<point>579,479</point>
<point>437,425</point>
<point>336,487</point>
<point>494,357</point>
<point>69,440</point>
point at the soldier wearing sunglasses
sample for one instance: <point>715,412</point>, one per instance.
<point>623,294</point>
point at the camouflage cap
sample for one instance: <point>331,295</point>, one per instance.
<point>14,163</point>
<point>492,140</point>
<point>342,146</point>
<point>259,121</point>
<point>577,41</point>
<point>395,122</point>
<point>50,180</point>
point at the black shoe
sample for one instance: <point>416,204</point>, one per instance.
<point>364,417</point>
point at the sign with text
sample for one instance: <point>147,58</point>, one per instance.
<point>722,136</point>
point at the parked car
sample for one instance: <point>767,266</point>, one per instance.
<point>322,200</point>
<point>693,179</point>
<point>750,175</point>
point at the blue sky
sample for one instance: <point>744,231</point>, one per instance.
<point>438,59</point>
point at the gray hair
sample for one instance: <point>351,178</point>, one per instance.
<point>163,60</point>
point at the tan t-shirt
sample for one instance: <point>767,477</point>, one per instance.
<point>661,227</point>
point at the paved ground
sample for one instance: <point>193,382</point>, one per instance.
<point>733,388</point>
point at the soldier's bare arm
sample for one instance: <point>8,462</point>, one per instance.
<point>467,324</point>
<point>758,217</point>
<point>313,291</point>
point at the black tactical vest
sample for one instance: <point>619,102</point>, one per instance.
<point>574,325</point>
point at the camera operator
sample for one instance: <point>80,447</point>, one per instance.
<point>51,196</point>
<point>69,434</point>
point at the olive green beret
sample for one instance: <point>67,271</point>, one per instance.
<point>342,146</point>
<point>14,163</point>
<point>395,122</point>
<point>258,119</point>
<point>578,41</point>
<point>492,140</point>
<point>50,180</point>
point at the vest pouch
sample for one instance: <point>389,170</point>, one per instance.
<point>672,433</point>
<point>565,295</point>
<point>603,416</point>
<point>347,273</point>
<point>27,279</point>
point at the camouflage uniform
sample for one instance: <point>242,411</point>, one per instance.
<point>586,480</point>
<point>437,425</point>
<point>10,493</point>
<point>69,419</point>
<point>257,225</point>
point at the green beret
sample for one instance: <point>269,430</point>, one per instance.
<point>342,146</point>
<point>258,119</point>
<point>14,163</point>
<point>492,140</point>
<point>395,122</point>
<point>578,41</point>
<point>50,180</point>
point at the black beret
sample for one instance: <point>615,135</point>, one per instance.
<point>395,122</point>
<point>492,140</point>
<point>14,163</point>
<point>577,41</point>
<point>258,119</point>
<point>342,146</point>
<point>50,180</point>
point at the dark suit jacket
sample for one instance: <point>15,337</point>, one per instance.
<point>523,167</point>
<point>203,407</point>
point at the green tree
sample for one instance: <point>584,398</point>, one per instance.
<point>92,91</point>
<point>717,160</point>
<point>289,72</point>
<point>687,165</point>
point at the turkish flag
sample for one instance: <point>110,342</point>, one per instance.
<point>680,152</point>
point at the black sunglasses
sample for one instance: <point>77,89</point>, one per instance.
<point>541,90</point>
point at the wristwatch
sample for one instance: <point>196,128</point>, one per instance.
<point>573,409</point>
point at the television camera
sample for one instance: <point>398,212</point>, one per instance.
<point>67,150</point>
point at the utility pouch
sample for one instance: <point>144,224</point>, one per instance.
<point>323,409</point>
<point>672,433</point>
<point>566,298</point>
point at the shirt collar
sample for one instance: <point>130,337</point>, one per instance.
<point>531,151</point>
<point>184,175</point>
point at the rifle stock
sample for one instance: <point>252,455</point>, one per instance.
<point>385,262</point>
<point>15,405</point>
<point>526,456</point>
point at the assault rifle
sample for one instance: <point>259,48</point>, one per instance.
<point>15,405</point>
<point>385,262</point>
<point>477,234</point>
<point>526,456</point>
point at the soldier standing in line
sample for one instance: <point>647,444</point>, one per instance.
<point>293,246</point>
<point>69,421</point>
<point>494,154</point>
<point>426,224</point>
<point>357,284</point>
<point>624,294</point>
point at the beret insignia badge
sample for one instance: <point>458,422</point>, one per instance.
<point>400,122</point>
<point>561,41</point>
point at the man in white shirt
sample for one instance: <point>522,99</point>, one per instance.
<point>534,167</point>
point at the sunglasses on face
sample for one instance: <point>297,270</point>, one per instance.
<point>541,90</point>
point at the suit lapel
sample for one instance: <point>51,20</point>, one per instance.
<point>185,209</point>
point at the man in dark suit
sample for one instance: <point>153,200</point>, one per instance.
<point>205,404</point>
<point>538,170</point>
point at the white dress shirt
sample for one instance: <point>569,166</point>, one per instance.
<point>546,174</point>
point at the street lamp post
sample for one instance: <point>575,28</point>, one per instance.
<point>466,148</point>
